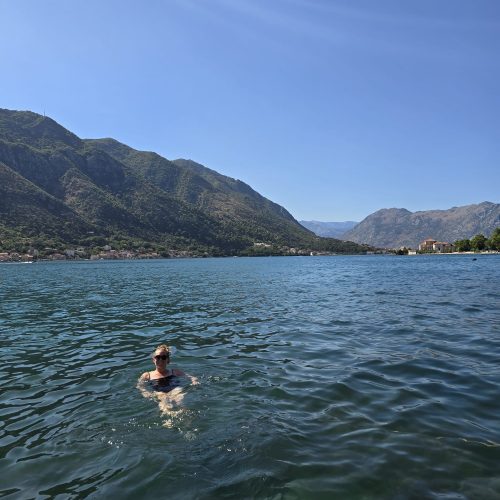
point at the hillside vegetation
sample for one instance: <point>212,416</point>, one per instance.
<point>58,190</point>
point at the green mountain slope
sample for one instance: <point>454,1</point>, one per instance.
<point>55,186</point>
<point>31,212</point>
<point>241,210</point>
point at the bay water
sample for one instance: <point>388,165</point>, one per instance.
<point>320,377</point>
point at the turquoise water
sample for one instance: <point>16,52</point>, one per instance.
<point>325,377</point>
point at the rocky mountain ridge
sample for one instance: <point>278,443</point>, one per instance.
<point>397,227</point>
<point>56,188</point>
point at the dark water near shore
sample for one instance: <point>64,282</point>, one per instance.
<point>334,377</point>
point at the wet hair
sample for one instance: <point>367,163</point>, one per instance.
<point>162,347</point>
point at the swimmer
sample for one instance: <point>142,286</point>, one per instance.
<point>164,382</point>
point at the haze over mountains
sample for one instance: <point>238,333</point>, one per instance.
<point>57,188</point>
<point>328,229</point>
<point>397,227</point>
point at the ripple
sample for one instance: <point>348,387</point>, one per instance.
<point>319,378</point>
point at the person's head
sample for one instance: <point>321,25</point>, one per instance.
<point>161,356</point>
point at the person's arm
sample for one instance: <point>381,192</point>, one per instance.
<point>180,373</point>
<point>141,385</point>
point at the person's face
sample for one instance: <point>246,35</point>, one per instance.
<point>161,358</point>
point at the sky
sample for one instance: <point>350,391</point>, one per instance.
<point>332,108</point>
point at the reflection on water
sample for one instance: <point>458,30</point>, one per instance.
<point>361,377</point>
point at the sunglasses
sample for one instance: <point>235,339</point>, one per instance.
<point>162,356</point>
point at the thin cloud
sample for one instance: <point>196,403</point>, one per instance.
<point>426,38</point>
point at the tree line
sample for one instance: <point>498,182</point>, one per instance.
<point>479,243</point>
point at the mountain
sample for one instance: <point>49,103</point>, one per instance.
<point>328,229</point>
<point>396,227</point>
<point>57,189</point>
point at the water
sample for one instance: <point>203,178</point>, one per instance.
<point>335,377</point>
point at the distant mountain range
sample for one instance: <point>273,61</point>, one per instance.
<point>56,188</point>
<point>396,227</point>
<point>328,229</point>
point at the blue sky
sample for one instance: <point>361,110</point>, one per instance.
<point>331,108</point>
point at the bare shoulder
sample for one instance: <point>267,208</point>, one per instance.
<point>178,373</point>
<point>144,377</point>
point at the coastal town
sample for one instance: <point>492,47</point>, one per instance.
<point>477,244</point>
<point>80,253</point>
<point>428,246</point>
<point>109,253</point>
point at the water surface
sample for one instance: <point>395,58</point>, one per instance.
<point>325,377</point>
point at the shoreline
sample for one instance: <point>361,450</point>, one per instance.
<point>489,252</point>
<point>150,258</point>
